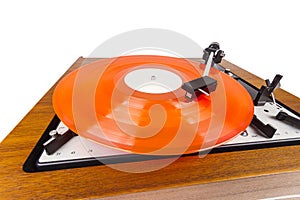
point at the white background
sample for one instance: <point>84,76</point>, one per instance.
<point>39,40</point>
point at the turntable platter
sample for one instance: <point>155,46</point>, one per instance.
<point>136,104</point>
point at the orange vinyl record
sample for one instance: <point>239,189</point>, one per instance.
<point>136,104</point>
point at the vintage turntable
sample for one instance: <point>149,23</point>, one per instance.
<point>260,161</point>
<point>251,116</point>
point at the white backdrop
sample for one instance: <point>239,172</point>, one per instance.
<point>39,40</point>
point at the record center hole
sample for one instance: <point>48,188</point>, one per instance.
<point>153,80</point>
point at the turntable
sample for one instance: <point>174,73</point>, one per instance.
<point>248,117</point>
<point>260,134</point>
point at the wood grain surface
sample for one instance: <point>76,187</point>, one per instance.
<point>278,186</point>
<point>100,181</point>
